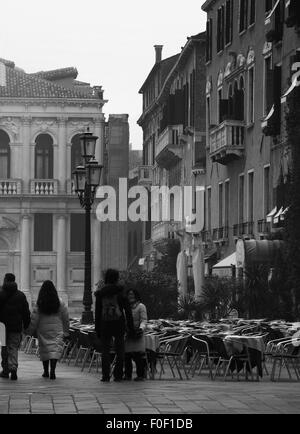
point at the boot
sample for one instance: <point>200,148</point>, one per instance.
<point>53,363</point>
<point>46,369</point>
<point>13,375</point>
<point>4,374</point>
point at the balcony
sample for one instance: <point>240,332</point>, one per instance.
<point>168,148</point>
<point>10,187</point>
<point>220,235</point>
<point>44,187</point>
<point>71,187</point>
<point>263,227</point>
<point>227,142</point>
<point>145,175</point>
<point>245,230</point>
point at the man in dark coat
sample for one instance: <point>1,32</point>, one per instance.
<point>15,315</point>
<point>113,314</point>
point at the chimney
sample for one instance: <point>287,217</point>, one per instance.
<point>158,53</point>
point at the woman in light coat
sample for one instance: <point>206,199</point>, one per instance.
<point>135,349</point>
<point>50,322</point>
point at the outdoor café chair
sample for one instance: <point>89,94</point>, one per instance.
<point>173,353</point>
<point>287,353</point>
<point>236,361</point>
<point>84,349</point>
<point>73,350</point>
<point>203,356</point>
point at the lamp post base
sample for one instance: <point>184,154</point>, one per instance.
<point>87,318</point>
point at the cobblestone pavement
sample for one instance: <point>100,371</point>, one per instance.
<point>76,392</point>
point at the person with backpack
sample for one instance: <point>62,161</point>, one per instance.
<point>15,315</point>
<point>50,322</point>
<point>112,315</point>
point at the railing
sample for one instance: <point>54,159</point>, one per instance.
<point>44,187</point>
<point>10,187</point>
<point>71,187</point>
<point>170,136</point>
<point>230,134</point>
<point>206,237</point>
<point>263,227</point>
<point>220,234</point>
<point>145,175</point>
<point>243,229</point>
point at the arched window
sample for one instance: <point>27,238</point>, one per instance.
<point>76,157</point>
<point>44,157</point>
<point>4,155</point>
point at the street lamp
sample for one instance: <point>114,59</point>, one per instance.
<point>87,179</point>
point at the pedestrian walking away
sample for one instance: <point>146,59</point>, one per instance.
<point>50,323</point>
<point>15,315</point>
<point>112,314</point>
<point>135,349</point>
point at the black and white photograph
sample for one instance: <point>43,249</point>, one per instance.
<point>150,210</point>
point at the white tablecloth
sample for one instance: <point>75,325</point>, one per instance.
<point>151,342</point>
<point>235,343</point>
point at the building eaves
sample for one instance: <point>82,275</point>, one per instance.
<point>207,6</point>
<point>165,66</point>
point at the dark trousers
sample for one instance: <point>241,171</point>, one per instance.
<point>9,353</point>
<point>107,335</point>
<point>140,362</point>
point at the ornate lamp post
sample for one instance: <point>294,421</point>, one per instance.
<point>87,179</point>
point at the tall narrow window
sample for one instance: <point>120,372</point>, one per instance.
<point>227,203</point>
<point>241,198</point>
<point>267,198</point>
<point>230,102</point>
<point>241,102</point>
<point>251,196</point>
<point>77,233</point>
<point>268,5</point>
<point>243,15</point>
<point>268,85</point>
<point>220,205</point>
<point>221,28</point>
<point>251,95</point>
<point>209,30</point>
<point>43,233</point>
<point>229,22</point>
<point>4,156</point>
<point>76,157</point>
<point>220,107</point>
<point>44,157</point>
<point>252,15</point>
<point>209,209</point>
<point>208,112</point>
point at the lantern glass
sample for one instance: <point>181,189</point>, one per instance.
<point>80,179</point>
<point>88,145</point>
<point>94,173</point>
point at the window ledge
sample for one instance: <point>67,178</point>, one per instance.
<point>242,32</point>
<point>219,53</point>
<point>250,125</point>
<point>228,44</point>
<point>208,62</point>
<point>251,26</point>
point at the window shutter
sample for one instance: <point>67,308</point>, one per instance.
<point>224,109</point>
<point>270,89</point>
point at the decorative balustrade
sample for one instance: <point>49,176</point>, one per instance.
<point>263,227</point>
<point>169,137</point>
<point>243,229</point>
<point>44,187</point>
<point>227,141</point>
<point>71,187</point>
<point>10,187</point>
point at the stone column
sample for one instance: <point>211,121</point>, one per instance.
<point>26,160</point>
<point>62,154</point>
<point>96,237</point>
<point>61,255</point>
<point>25,256</point>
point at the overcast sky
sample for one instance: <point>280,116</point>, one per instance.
<point>110,43</point>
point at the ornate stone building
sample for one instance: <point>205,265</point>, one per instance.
<point>41,118</point>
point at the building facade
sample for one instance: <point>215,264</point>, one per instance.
<point>173,123</point>
<point>251,55</point>
<point>41,222</point>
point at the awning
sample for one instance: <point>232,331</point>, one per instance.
<point>265,121</point>
<point>227,262</point>
<point>277,216</point>
<point>260,252</point>
<point>271,215</point>
<point>268,18</point>
<point>294,84</point>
